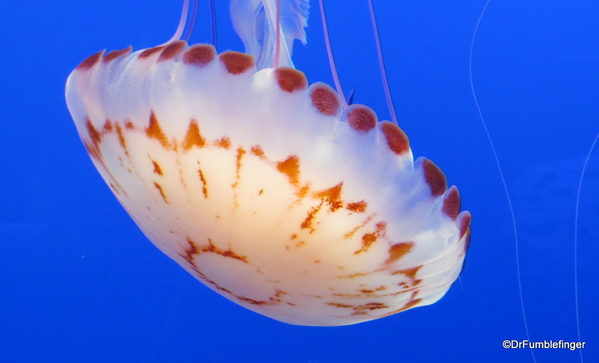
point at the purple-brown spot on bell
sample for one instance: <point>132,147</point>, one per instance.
<point>224,142</point>
<point>290,79</point>
<point>374,306</point>
<point>398,250</point>
<point>434,177</point>
<point>257,150</point>
<point>340,306</point>
<point>193,138</point>
<point>93,147</point>
<point>205,278</point>
<point>199,55</point>
<point>94,151</point>
<point>361,118</point>
<point>151,51</point>
<point>110,56</point>
<point>204,184</point>
<point>411,274</point>
<point>190,251</point>
<point>291,168</point>
<point>252,301</point>
<point>172,50</point>
<point>362,309</point>
<point>211,248</point>
<point>325,99</point>
<point>331,196</point>
<point>397,140</point>
<point>157,168</point>
<point>93,133</point>
<point>362,225</point>
<point>121,136</point>
<point>235,62</point>
<point>107,127</point>
<point>307,223</point>
<point>90,61</point>
<point>380,288</point>
<point>238,158</point>
<point>369,238</point>
<point>451,203</point>
<point>357,207</point>
<point>159,187</point>
<point>464,223</point>
<point>410,304</point>
<point>302,192</point>
<point>153,131</point>
<point>276,299</point>
<point>464,226</point>
<point>129,125</point>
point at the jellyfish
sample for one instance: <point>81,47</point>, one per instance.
<point>273,192</point>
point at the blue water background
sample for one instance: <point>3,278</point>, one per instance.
<point>80,283</point>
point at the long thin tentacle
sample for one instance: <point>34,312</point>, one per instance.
<point>327,40</point>
<point>277,35</point>
<point>503,182</point>
<point>213,20</point>
<point>192,20</point>
<point>584,168</point>
<point>382,64</point>
<point>182,22</point>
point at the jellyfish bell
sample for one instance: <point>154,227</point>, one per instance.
<point>272,192</point>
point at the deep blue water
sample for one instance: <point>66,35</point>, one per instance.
<point>80,283</point>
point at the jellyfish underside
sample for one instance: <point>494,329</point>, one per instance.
<point>272,192</point>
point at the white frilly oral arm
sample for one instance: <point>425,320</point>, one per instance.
<point>255,23</point>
